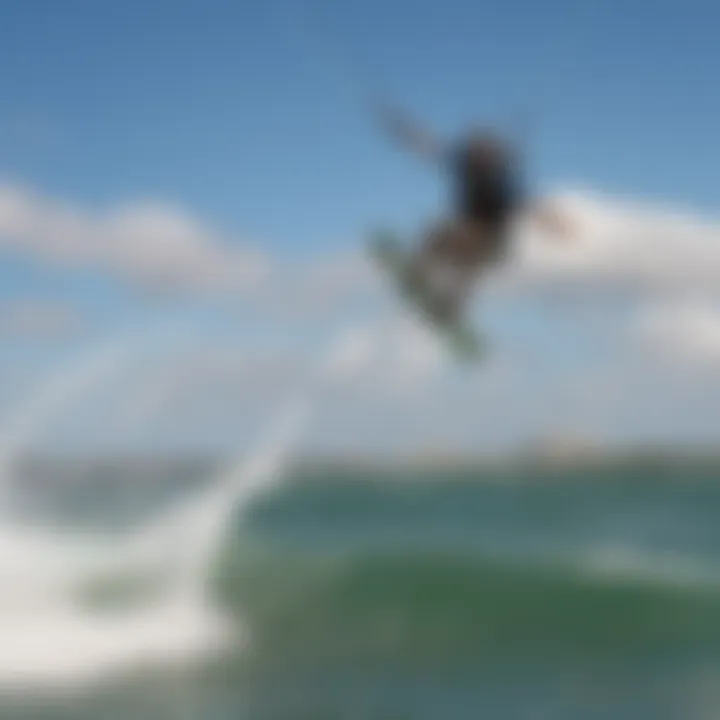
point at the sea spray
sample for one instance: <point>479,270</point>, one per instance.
<point>231,493</point>
<point>49,637</point>
<point>37,566</point>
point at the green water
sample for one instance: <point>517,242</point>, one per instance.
<point>587,596</point>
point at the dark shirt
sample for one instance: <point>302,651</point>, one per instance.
<point>489,193</point>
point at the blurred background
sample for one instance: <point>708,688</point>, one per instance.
<point>239,479</point>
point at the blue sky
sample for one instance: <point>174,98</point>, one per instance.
<point>248,118</point>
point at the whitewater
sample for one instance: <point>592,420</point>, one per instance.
<point>50,638</point>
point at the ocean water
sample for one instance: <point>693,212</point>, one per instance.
<point>588,594</point>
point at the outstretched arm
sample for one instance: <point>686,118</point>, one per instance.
<point>407,133</point>
<point>551,222</point>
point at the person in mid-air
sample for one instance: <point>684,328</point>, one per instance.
<point>488,196</point>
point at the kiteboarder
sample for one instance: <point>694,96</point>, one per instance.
<point>488,196</point>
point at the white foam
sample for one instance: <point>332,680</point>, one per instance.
<point>48,639</point>
<point>67,648</point>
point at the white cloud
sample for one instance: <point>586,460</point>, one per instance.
<point>145,243</point>
<point>216,380</point>
<point>317,287</point>
<point>665,266</point>
<point>32,318</point>
<point>230,388</point>
<point>397,358</point>
<point>160,247</point>
<point>339,276</point>
<point>619,248</point>
<point>618,244</point>
<point>689,329</point>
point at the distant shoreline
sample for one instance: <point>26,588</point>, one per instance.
<point>518,462</point>
<point>603,460</point>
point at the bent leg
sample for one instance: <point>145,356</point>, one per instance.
<point>448,261</point>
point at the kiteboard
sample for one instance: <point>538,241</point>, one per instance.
<point>393,259</point>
